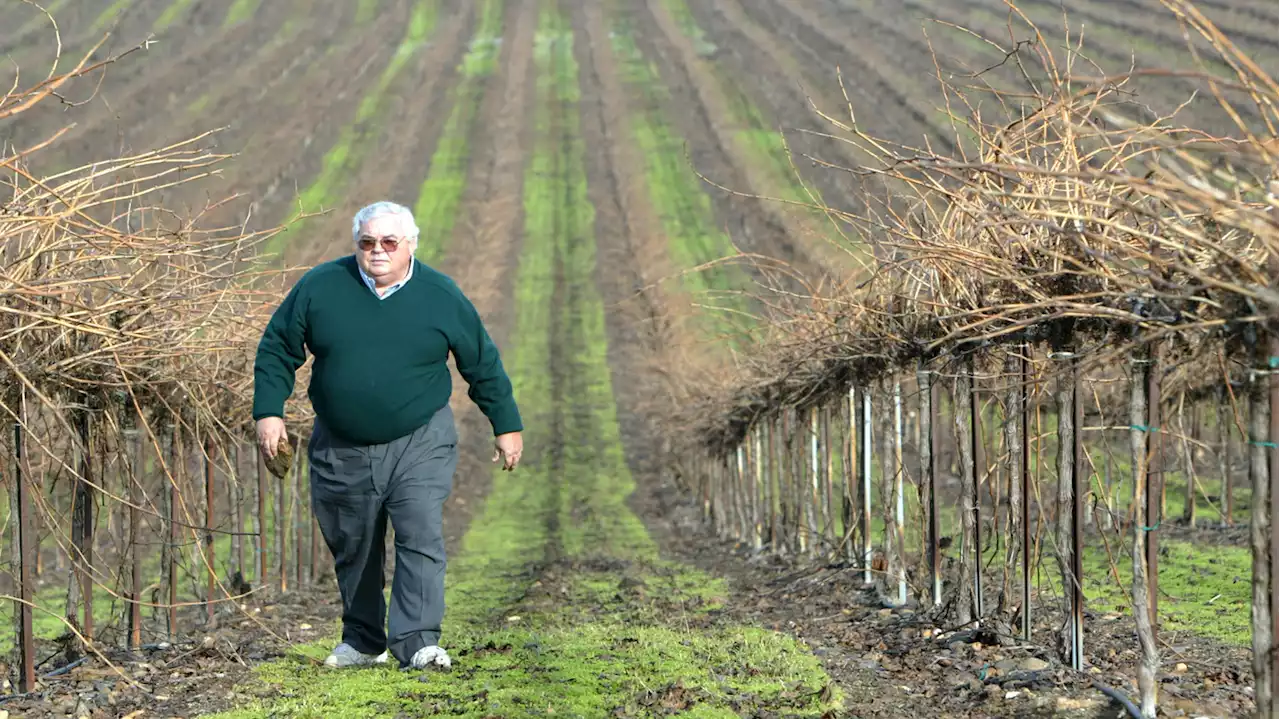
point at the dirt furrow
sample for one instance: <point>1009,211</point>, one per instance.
<point>395,163</point>
<point>135,105</point>
<point>785,87</point>
<point>365,141</point>
<point>1106,49</point>
<point>881,88</point>
<point>630,239</point>
<point>700,110</point>
<point>487,238</point>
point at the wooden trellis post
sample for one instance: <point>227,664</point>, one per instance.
<point>295,510</point>
<point>1078,484</point>
<point>26,557</point>
<point>1264,468</point>
<point>740,508</point>
<point>1139,439</point>
<point>758,489</point>
<point>1155,485</point>
<point>1269,652</point>
<point>261,527</point>
<point>1070,469</point>
<point>82,525</point>
<point>772,480</point>
<point>828,481</point>
<point>176,463</point>
<point>851,477</point>
<point>979,472</point>
<point>1024,443</point>
<point>237,509</point>
<point>1226,420</point>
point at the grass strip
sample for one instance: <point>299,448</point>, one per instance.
<point>365,11</point>
<point>105,17</point>
<point>356,137</point>
<point>676,192</point>
<point>437,205</point>
<point>171,14</point>
<point>240,11</point>
<point>762,145</point>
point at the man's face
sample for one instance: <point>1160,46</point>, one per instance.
<point>385,267</point>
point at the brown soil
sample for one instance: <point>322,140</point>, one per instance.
<point>699,110</point>
<point>631,253</point>
<point>145,86</point>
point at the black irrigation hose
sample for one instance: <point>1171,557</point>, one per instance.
<point>1118,696</point>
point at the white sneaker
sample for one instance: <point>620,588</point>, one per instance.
<point>427,656</point>
<point>345,655</point>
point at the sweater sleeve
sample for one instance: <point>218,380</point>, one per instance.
<point>480,365</point>
<point>281,351</point>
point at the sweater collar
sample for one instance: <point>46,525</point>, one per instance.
<point>373,287</point>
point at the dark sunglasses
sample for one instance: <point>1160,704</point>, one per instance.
<point>388,244</point>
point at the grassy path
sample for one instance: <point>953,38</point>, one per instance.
<point>558,602</point>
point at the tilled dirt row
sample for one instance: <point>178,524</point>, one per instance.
<point>632,248</point>
<point>405,136</point>
<point>138,101</point>
<point>487,241</point>
<point>700,111</point>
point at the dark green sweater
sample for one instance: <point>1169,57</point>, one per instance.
<point>380,367</point>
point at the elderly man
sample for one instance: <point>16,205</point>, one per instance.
<point>381,325</point>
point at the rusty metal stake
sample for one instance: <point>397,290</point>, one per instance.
<point>82,526</point>
<point>1155,487</point>
<point>26,561</point>
<point>979,469</point>
<point>1077,521</point>
<point>1274,474</point>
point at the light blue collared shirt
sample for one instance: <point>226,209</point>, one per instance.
<point>390,290</point>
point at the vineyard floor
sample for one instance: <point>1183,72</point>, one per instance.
<point>542,144</point>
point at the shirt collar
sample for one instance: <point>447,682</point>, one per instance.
<point>373,287</point>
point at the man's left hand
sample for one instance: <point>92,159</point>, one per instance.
<point>508,447</point>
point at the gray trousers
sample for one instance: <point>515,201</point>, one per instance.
<point>354,490</point>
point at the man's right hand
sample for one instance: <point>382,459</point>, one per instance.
<point>270,432</point>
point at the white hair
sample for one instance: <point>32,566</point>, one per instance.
<point>385,207</point>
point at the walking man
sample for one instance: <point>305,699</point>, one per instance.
<point>381,325</point>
